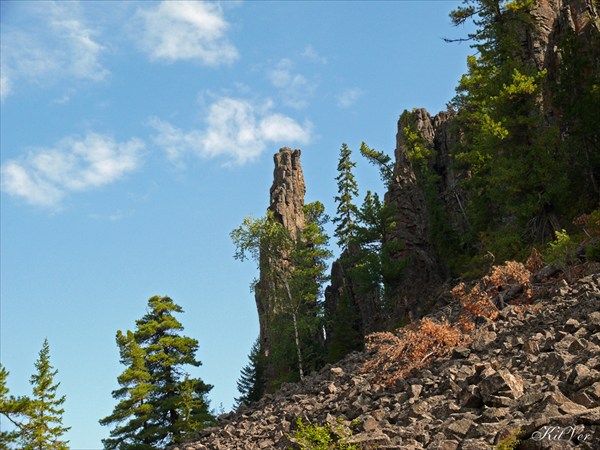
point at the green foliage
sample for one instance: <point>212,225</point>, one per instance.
<point>37,420</point>
<point>576,93</point>
<point>416,147</point>
<point>44,429</point>
<point>592,251</point>
<point>345,335</point>
<point>264,235</point>
<point>159,402</point>
<point>347,190</point>
<point>380,160</point>
<point>296,269</point>
<point>525,173</point>
<point>251,384</point>
<point>316,437</point>
<point>509,442</point>
<point>561,251</point>
<point>14,409</point>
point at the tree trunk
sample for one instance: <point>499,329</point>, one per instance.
<point>298,346</point>
<point>296,336</point>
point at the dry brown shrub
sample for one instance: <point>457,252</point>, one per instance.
<point>481,300</point>
<point>396,354</point>
<point>534,262</point>
<point>476,301</point>
<point>590,223</point>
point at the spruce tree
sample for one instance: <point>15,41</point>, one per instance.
<point>160,403</point>
<point>44,429</point>
<point>347,190</point>
<point>251,384</point>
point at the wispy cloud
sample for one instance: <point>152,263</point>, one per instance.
<point>173,31</point>
<point>112,217</point>
<point>311,54</point>
<point>236,129</point>
<point>4,86</point>
<point>46,175</point>
<point>294,89</point>
<point>349,97</point>
<point>55,43</point>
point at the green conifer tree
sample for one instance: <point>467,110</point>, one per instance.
<point>518,181</point>
<point>380,160</point>
<point>347,191</point>
<point>12,409</point>
<point>134,411</point>
<point>44,430</point>
<point>160,403</point>
<point>251,384</point>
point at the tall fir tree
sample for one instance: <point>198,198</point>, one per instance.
<point>347,191</point>
<point>160,404</point>
<point>45,429</point>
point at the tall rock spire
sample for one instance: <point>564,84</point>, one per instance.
<point>287,205</point>
<point>288,189</point>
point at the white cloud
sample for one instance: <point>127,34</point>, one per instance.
<point>236,130</point>
<point>176,30</point>
<point>349,97</point>
<point>4,87</point>
<point>46,175</point>
<point>295,90</point>
<point>311,54</point>
<point>55,43</point>
<point>112,217</point>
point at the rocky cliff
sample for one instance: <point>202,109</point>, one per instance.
<point>413,203</point>
<point>557,20</point>
<point>535,369</point>
<point>286,203</point>
<point>288,190</point>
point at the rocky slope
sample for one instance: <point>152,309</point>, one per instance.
<point>535,368</point>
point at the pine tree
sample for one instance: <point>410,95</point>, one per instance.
<point>380,160</point>
<point>12,409</point>
<point>135,406</point>
<point>160,403</point>
<point>44,429</point>
<point>251,384</point>
<point>193,408</point>
<point>347,190</point>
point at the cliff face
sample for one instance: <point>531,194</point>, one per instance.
<point>411,231</point>
<point>286,203</point>
<point>555,21</point>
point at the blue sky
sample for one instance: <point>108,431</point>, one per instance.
<point>136,135</point>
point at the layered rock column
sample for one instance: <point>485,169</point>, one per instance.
<point>411,229</point>
<point>286,203</point>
